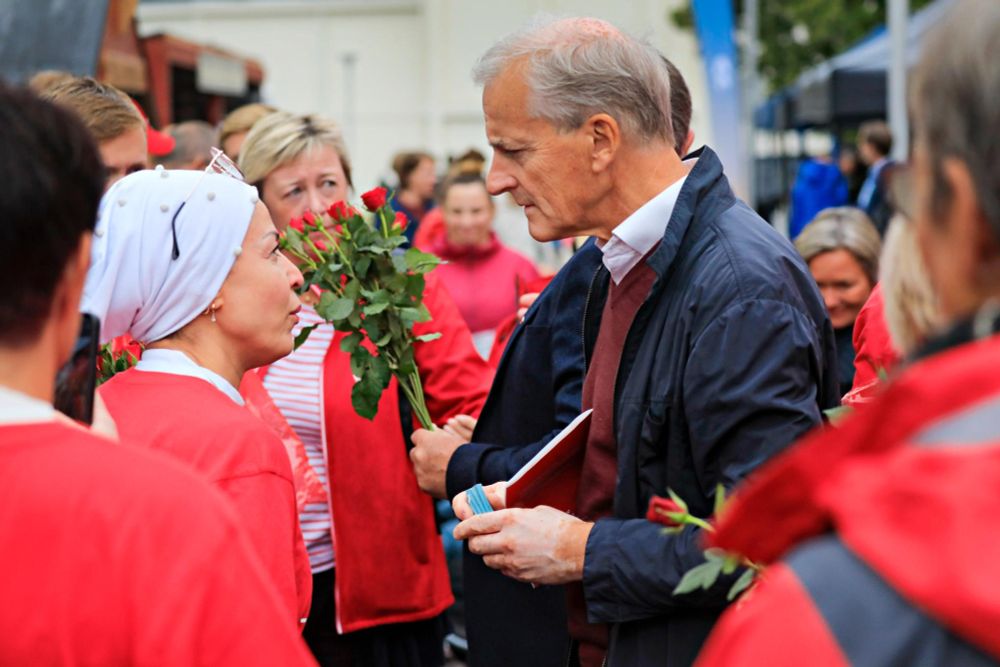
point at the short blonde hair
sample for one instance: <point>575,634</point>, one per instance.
<point>842,227</point>
<point>280,137</point>
<point>911,310</point>
<point>242,119</point>
<point>106,111</point>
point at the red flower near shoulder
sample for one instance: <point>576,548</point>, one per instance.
<point>401,219</point>
<point>374,199</point>
<point>664,511</point>
<point>297,224</point>
<point>341,210</point>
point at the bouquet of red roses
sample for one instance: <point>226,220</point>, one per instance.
<point>370,288</point>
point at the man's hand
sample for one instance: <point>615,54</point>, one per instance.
<point>430,455</point>
<point>461,426</point>
<point>540,545</point>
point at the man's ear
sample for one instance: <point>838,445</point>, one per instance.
<point>606,137</point>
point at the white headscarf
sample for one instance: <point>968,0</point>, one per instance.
<point>134,285</point>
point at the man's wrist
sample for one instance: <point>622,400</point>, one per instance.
<point>573,547</point>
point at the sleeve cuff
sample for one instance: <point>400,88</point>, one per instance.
<point>463,467</point>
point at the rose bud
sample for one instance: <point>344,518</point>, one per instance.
<point>374,199</point>
<point>665,511</point>
<point>340,210</point>
<point>320,245</point>
<point>297,224</point>
<point>312,220</point>
<point>401,220</point>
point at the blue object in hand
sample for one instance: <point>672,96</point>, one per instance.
<point>477,500</point>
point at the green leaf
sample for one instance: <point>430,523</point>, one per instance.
<point>720,499</point>
<point>384,340</point>
<point>362,265</point>
<point>742,583</point>
<point>677,499</point>
<point>420,261</point>
<point>364,400</point>
<point>350,343</point>
<point>701,576</point>
<point>731,563</point>
<point>333,308</point>
<point>304,334</point>
<point>376,308</point>
<point>426,338</point>
<point>836,414</point>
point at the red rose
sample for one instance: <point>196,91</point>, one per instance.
<point>665,511</point>
<point>320,245</point>
<point>401,220</point>
<point>311,219</point>
<point>374,199</point>
<point>297,224</point>
<point>340,210</point>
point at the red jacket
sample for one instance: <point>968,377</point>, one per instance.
<point>390,561</point>
<point>194,422</point>
<point>875,354</point>
<point>111,555</point>
<point>901,495</point>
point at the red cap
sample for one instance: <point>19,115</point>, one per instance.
<point>158,143</point>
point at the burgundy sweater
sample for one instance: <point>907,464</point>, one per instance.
<point>595,498</point>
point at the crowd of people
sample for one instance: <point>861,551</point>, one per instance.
<point>226,505</point>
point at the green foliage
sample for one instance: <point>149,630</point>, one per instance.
<point>108,364</point>
<point>797,34</point>
<point>374,291</point>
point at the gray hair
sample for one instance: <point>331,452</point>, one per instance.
<point>842,227</point>
<point>956,86</point>
<point>580,67</point>
<point>911,310</point>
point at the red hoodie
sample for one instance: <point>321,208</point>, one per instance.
<point>902,495</point>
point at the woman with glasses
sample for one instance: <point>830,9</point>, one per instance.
<point>188,263</point>
<point>380,583</point>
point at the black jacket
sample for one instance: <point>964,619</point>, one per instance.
<point>536,392</point>
<point>729,360</point>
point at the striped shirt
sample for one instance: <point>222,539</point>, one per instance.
<point>294,384</point>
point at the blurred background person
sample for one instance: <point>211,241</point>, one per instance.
<point>113,120</point>
<point>380,579</point>
<point>188,264</point>
<point>235,126</point>
<point>414,196</point>
<point>842,249</point>
<point>193,142</point>
<point>819,184</point>
<point>874,146</point>
<point>432,225</point>
<point>852,170</point>
<point>482,275</point>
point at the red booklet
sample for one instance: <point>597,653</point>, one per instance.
<point>552,476</point>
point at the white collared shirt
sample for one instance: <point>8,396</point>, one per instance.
<point>637,234</point>
<point>159,360</point>
<point>19,408</point>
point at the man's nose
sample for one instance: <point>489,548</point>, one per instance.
<point>499,180</point>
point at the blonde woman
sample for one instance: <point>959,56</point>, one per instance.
<point>380,583</point>
<point>841,247</point>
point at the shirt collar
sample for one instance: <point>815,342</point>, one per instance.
<point>640,232</point>
<point>159,360</point>
<point>19,408</point>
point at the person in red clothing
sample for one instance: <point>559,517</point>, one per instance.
<point>482,275</point>
<point>188,263</point>
<point>881,533</point>
<point>109,555</point>
<point>379,573</point>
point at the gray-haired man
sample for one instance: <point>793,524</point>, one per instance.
<point>709,346</point>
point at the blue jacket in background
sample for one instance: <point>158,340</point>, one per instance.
<point>730,359</point>
<point>536,392</point>
<point>818,185</point>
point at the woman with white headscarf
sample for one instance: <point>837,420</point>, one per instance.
<point>189,264</point>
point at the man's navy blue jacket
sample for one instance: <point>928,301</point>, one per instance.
<point>536,392</point>
<point>729,360</point>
